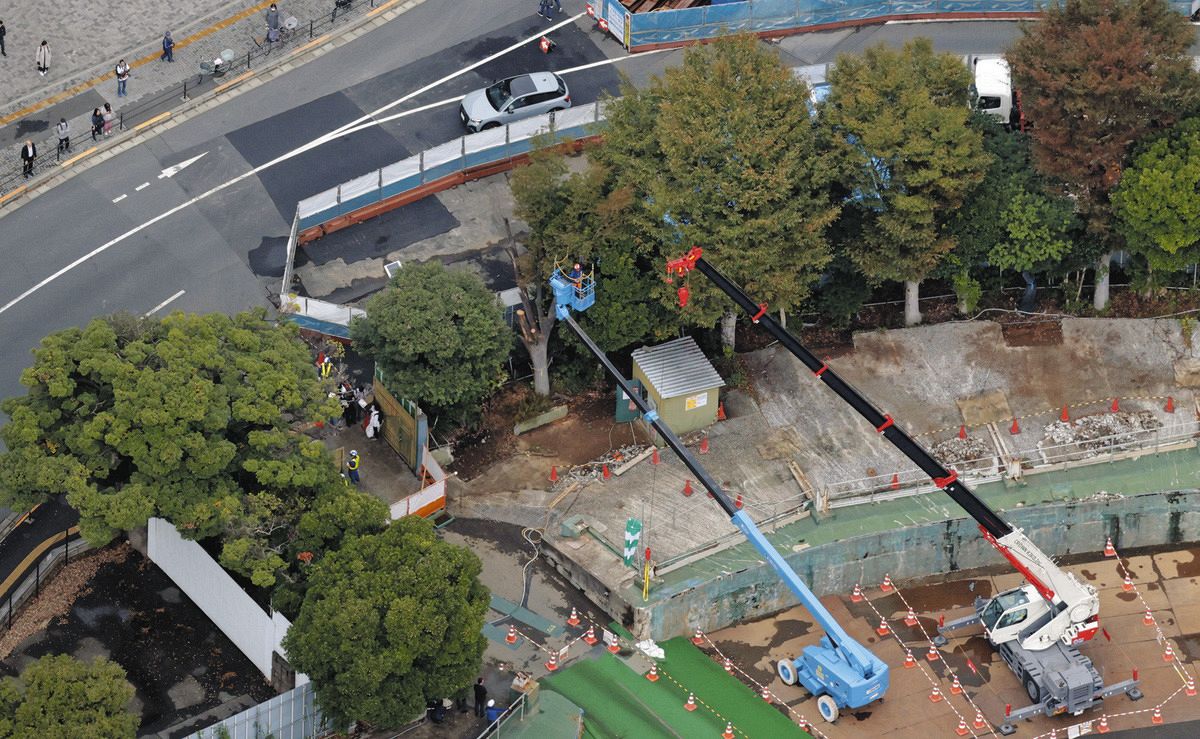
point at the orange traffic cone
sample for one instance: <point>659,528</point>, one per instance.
<point>932,655</point>
<point>1064,416</point>
<point>883,629</point>
<point>704,445</point>
<point>956,687</point>
<point>1109,551</point>
<point>728,665</point>
<point>1128,584</point>
<point>698,637</point>
<point>766,694</point>
<point>553,474</point>
<point>652,675</point>
<point>886,585</point>
<point>1016,428</point>
<point>962,729</point>
<point>738,503</point>
<point>614,647</point>
<point>911,618</point>
<point>857,596</point>
<point>552,664</point>
<point>1103,727</point>
<point>728,730</point>
<point>1168,653</point>
<point>979,723</point>
<point>1148,619</point>
<point>1190,688</point>
<point>935,696</point>
<point>1156,717</point>
<point>545,45</point>
<point>604,473</point>
<point>511,638</point>
<point>1116,406</point>
<point>687,488</point>
<point>654,458</point>
<point>909,661</point>
<point>691,702</point>
<point>590,637</point>
<point>962,431</point>
<point>1170,406</point>
<point>574,619</point>
<point>895,481</point>
<point>721,412</point>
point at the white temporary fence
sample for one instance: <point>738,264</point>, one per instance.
<point>320,310</point>
<point>257,633</point>
<point>290,715</point>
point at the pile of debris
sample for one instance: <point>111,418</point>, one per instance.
<point>960,452</point>
<point>1101,432</point>
<point>583,473</point>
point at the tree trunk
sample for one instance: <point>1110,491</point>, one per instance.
<point>1100,298</point>
<point>729,330</point>
<point>782,318</point>
<point>539,358</point>
<point>912,309</point>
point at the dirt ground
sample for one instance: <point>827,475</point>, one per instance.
<point>130,612</point>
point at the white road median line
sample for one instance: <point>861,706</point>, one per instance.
<point>141,187</point>
<point>120,197</point>
<point>163,304</point>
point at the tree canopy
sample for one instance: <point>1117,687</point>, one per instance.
<point>389,621</point>
<point>1157,207</point>
<point>58,696</point>
<point>439,336</point>
<point>1095,77</point>
<point>898,120</point>
<point>191,418</point>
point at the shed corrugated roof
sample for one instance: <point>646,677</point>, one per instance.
<point>677,368</point>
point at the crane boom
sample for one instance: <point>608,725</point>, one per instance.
<point>1071,606</point>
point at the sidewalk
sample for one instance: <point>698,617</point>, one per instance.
<point>84,68</point>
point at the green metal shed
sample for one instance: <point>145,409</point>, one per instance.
<point>680,382</point>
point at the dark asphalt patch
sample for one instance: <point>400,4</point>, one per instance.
<point>380,236</point>
<point>269,257</point>
<point>135,612</point>
<point>339,160</point>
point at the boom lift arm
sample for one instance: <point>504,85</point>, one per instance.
<point>1070,607</point>
<point>839,672</point>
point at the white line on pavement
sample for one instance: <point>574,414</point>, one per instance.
<point>164,304</point>
<point>120,197</point>
<point>320,140</point>
<point>141,187</point>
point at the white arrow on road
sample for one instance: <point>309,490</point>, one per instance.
<point>177,168</point>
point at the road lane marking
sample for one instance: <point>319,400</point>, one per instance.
<point>152,121</point>
<point>175,169</point>
<point>319,141</point>
<point>141,187</point>
<point>120,197</point>
<point>164,304</point>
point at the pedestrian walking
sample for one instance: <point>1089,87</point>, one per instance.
<point>480,697</point>
<point>544,8</point>
<point>108,117</point>
<point>28,154</point>
<point>122,72</point>
<point>168,48</point>
<point>64,136</point>
<point>97,123</point>
<point>43,58</point>
<point>340,5</point>
<point>352,465</point>
<point>2,32</point>
<point>273,18</point>
<point>557,6</point>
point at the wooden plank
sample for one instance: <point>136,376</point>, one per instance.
<point>630,464</point>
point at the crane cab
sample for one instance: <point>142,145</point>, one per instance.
<point>1012,612</point>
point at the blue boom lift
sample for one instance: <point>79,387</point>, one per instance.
<point>839,672</point>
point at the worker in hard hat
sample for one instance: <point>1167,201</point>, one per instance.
<point>352,465</point>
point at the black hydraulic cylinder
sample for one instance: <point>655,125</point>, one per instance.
<point>663,429</point>
<point>960,493</point>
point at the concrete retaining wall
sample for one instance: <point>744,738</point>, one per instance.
<point>1078,527</point>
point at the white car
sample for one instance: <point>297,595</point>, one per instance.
<point>509,100</point>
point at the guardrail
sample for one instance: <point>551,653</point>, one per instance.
<point>44,568</point>
<point>442,166</point>
<point>147,108</point>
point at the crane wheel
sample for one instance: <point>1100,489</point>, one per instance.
<point>786,670</point>
<point>828,708</point>
<point>1032,689</point>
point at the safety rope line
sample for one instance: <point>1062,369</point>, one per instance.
<point>1176,663</point>
<point>1057,409</point>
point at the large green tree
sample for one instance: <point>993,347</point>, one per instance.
<point>389,621</point>
<point>1157,206</point>
<point>58,697</point>
<point>1096,77</point>
<point>898,119</point>
<point>439,336</point>
<point>191,418</point>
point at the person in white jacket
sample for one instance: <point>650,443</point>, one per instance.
<point>372,427</point>
<point>43,58</point>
